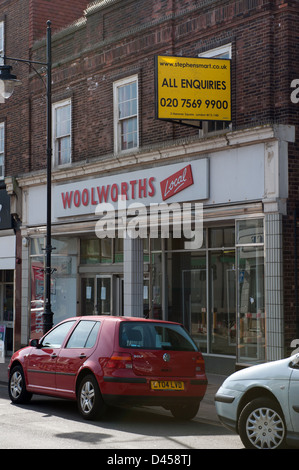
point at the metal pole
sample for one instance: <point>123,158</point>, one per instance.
<point>48,314</point>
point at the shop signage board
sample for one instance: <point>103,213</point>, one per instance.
<point>180,182</point>
<point>193,89</point>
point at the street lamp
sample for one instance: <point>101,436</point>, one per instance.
<point>7,84</point>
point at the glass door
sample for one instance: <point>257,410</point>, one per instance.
<point>97,294</point>
<point>87,296</point>
<point>103,305</point>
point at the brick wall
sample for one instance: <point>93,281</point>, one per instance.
<point>15,112</point>
<point>115,42</point>
<point>60,13</point>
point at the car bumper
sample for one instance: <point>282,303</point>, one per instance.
<point>226,402</point>
<point>139,400</point>
<point>137,390</point>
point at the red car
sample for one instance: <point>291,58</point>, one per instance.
<point>104,360</point>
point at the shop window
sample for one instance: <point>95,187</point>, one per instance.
<point>63,281</point>
<point>222,294</point>
<point>155,306</point>
<point>94,251</point>
<point>6,295</point>
<point>173,243</point>
<point>250,231</point>
<point>118,250</point>
<point>251,301</point>
<point>2,157</point>
<point>126,114</point>
<point>7,308</point>
<point>221,237</point>
<point>62,139</point>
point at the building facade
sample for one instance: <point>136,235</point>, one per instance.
<point>114,163</point>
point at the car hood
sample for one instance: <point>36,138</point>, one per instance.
<point>276,370</point>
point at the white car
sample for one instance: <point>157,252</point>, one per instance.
<point>261,404</point>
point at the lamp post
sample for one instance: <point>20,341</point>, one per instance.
<point>7,83</point>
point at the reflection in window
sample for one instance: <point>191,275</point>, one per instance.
<point>56,337</point>
<point>84,335</point>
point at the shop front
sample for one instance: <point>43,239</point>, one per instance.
<point>125,245</point>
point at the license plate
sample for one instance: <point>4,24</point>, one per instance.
<point>167,385</point>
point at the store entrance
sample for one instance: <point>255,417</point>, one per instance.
<point>102,295</point>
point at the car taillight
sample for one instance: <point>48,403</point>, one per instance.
<point>200,364</point>
<point>120,361</point>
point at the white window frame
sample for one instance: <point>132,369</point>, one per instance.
<point>117,122</point>
<point>2,51</point>
<point>214,127</point>
<point>2,151</point>
<point>56,138</point>
<point>222,52</point>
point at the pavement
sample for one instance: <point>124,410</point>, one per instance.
<point>207,410</point>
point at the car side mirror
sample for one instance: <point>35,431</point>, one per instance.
<point>295,362</point>
<point>34,343</point>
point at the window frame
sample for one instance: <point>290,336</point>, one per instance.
<point>117,121</point>
<point>55,139</point>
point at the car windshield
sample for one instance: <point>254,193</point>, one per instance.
<point>153,335</point>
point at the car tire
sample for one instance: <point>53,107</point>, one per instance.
<point>17,387</point>
<point>90,402</point>
<point>185,412</point>
<point>261,425</point>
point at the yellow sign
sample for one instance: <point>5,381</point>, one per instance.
<point>193,88</point>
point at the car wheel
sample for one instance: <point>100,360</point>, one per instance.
<point>90,401</point>
<point>17,387</point>
<point>261,425</point>
<point>185,412</point>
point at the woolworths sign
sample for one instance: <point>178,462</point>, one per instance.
<point>193,89</point>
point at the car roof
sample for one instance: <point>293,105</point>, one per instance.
<point>120,319</point>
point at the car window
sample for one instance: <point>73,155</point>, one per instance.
<point>155,336</point>
<point>55,338</point>
<point>84,335</point>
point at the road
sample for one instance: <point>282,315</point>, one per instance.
<point>48,423</point>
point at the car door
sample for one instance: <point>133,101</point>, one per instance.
<point>75,352</point>
<point>41,368</point>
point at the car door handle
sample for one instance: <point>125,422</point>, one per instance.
<point>53,356</point>
<point>82,356</point>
